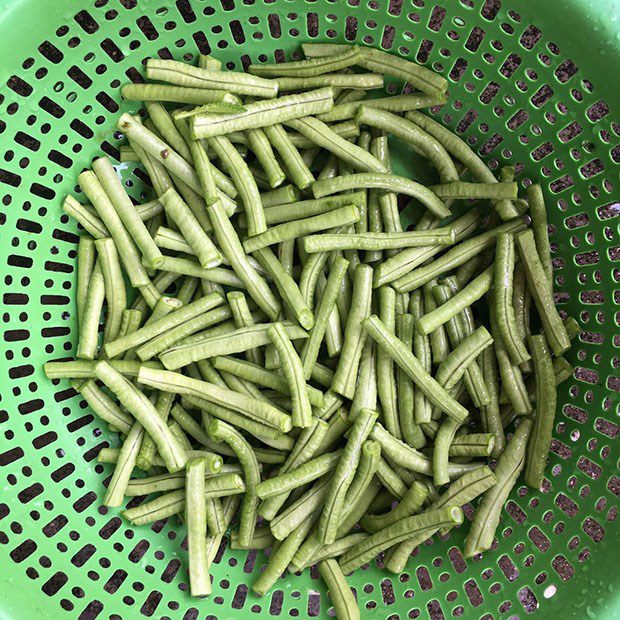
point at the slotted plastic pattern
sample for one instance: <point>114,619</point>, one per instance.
<point>524,88</point>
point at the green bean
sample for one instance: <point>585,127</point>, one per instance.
<point>358,497</point>
<point>145,413</point>
<point>392,482</point>
<point>150,294</point>
<point>262,539</point>
<point>310,272</point>
<point>170,482</point>
<point>244,182</point>
<point>454,257</point>
<point>345,605</point>
<point>252,408</point>
<point>399,103</point>
<point>175,94</point>
<point>359,81</point>
<point>443,441</point>
<point>287,194</point>
<point>173,503</point>
<point>125,464</point>
<point>400,264</point>
<point>310,68</point>
<point>203,247</point>
<point>159,151</point>
<point>306,447</point>
<point>546,398</point>
<point>224,342</point>
<point>365,396</point>
<point>333,330</point>
<point>86,216</point>
<point>294,373</point>
<point>398,532</point>
<point>181,74</point>
<point>84,369</point>
<point>538,213</point>
<point>288,289</point>
<point>163,325</point>
<point>511,377</point>
<point>281,556</point>
<point>463,190</point>
<point>191,427</point>
<point>220,431</point>
<point>263,432</point>
<point>335,549</point>
<point>216,521</point>
<point>89,332</point>
<point>383,62</point>
<point>324,308</point>
<point>86,257</point>
<point>307,472</point>
<point>166,128</point>
<point>261,376</point>
<point>264,113</point>
<point>298,228</point>
<point>457,147</point>
<point>297,169</point>
<point>476,289</point>
<point>422,409</point>
<point>260,145</point>
<point>148,449</point>
<point>188,267</point>
<point>503,296</point>
<point>412,433</point>
<point>322,135</point>
<point>196,519</point>
<point>229,509</point>
<point>412,366</point>
<point>509,466</point>
<point>473,444</point>
<point>129,255</point>
<point>538,284</point>
<point>345,376</point>
<point>114,286</point>
<point>301,509</point>
<point>204,170</point>
<point>188,289</point>
<point>342,478</point>
<point>231,248</point>
<point>462,491</point>
<point>104,406</point>
<point>378,241</point>
<point>410,503</point>
<point>243,318</point>
<point>383,181</point>
<point>490,417</point>
<point>414,136</point>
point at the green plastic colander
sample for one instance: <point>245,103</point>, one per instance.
<point>532,83</point>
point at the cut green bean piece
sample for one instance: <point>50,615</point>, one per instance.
<point>509,466</point>
<point>175,94</point>
<point>310,68</point>
<point>143,410</point>
<point>232,249</point>
<point>342,216</point>
<point>412,366</point>
<point>546,398</point>
<point>252,408</point>
<point>490,417</point>
<point>378,241</point>
<point>454,257</point>
<point>463,190</point>
<point>503,296</point>
<point>263,113</point>
<point>538,284</point>
<point>114,286</point>
<point>342,597</point>
<point>296,168</point>
<point>410,503</point>
<point>476,289</point>
<point>377,180</point>
<point>89,332</point>
<point>359,81</point>
<point>181,74</point>
<point>345,376</point>
<point>538,213</point>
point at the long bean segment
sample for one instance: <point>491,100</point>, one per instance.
<point>263,113</point>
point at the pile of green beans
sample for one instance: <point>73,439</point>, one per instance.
<point>275,345</point>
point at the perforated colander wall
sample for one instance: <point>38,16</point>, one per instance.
<point>515,96</point>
